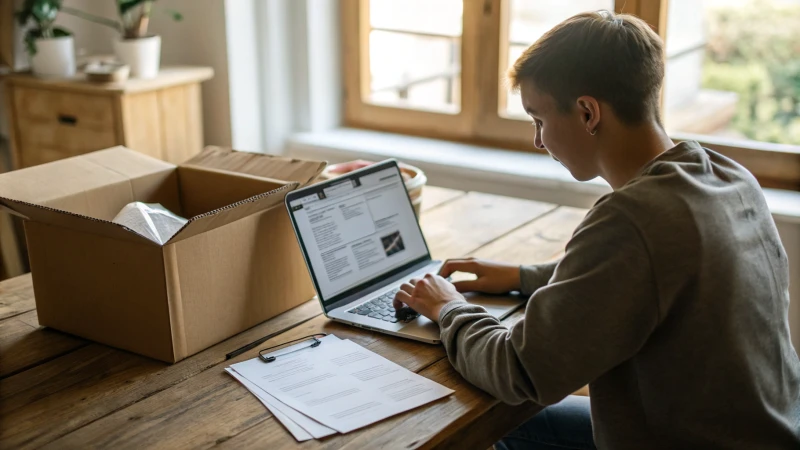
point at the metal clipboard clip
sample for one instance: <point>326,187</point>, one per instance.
<point>268,359</point>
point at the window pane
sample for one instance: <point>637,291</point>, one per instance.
<point>528,21</point>
<point>424,16</point>
<point>415,58</point>
<point>733,69</point>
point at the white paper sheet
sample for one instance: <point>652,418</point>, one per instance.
<point>341,384</point>
<point>300,426</point>
<point>296,430</point>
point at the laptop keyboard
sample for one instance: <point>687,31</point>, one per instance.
<point>380,308</point>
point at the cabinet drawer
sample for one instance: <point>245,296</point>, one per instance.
<point>44,141</point>
<point>82,110</point>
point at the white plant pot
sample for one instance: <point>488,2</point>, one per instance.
<point>142,55</point>
<point>54,57</point>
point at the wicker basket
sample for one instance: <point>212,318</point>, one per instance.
<point>413,177</point>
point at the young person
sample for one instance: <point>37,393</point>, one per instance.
<point>671,300</point>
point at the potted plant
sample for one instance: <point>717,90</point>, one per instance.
<point>136,48</point>
<point>51,48</point>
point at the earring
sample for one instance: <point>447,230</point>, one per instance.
<point>592,132</point>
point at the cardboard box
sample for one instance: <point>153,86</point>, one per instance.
<point>235,263</point>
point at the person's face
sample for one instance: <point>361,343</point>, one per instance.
<point>563,134</point>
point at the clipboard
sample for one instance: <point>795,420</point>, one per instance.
<point>268,359</point>
<point>315,338</point>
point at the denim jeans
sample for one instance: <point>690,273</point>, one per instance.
<point>565,425</point>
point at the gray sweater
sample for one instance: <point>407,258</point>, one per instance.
<point>671,302</point>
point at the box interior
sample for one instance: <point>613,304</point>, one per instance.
<point>202,190</point>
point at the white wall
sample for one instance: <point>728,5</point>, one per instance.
<point>246,36</point>
<point>90,38</point>
<point>283,60</point>
<point>200,39</point>
<point>276,63</point>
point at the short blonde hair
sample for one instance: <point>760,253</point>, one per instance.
<point>616,58</point>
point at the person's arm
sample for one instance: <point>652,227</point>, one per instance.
<point>535,276</point>
<point>597,311</point>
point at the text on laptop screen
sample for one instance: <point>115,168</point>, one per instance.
<point>358,229</point>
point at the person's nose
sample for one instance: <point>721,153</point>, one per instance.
<point>537,139</point>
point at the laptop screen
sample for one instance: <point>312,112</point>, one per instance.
<point>357,230</point>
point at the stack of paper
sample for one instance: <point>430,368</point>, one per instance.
<point>337,386</point>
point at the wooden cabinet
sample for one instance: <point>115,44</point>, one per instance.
<point>55,119</point>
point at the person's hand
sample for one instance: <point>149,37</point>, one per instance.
<point>493,277</point>
<point>427,295</point>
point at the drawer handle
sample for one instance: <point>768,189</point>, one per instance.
<point>67,120</point>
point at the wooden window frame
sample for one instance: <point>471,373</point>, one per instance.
<point>361,114</point>
<point>483,48</point>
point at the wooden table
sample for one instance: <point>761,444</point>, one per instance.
<point>61,391</point>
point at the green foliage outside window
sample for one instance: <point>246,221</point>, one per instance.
<point>755,52</point>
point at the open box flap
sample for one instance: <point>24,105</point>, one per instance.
<point>60,183</point>
<point>231,213</point>
<point>84,192</point>
<point>65,219</point>
<point>259,164</point>
<point>128,163</point>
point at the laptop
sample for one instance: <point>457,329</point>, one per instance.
<point>361,241</point>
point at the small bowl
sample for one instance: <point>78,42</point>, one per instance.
<point>106,72</point>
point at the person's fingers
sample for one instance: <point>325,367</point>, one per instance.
<point>458,265</point>
<point>400,299</point>
<point>407,287</point>
<point>449,266</point>
<point>413,281</point>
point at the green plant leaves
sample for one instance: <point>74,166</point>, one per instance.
<point>127,5</point>
<point>36,33</point>
<point>43,13</point>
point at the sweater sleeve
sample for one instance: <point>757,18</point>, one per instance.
<point>536,276</point>
<point>597,311</point>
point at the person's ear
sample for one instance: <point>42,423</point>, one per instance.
<point>589,109</point>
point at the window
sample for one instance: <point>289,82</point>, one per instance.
<point>414,61</point>
<point>436,68</point>
<point>733,79</point>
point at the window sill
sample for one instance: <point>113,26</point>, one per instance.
<point>470,167</point>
